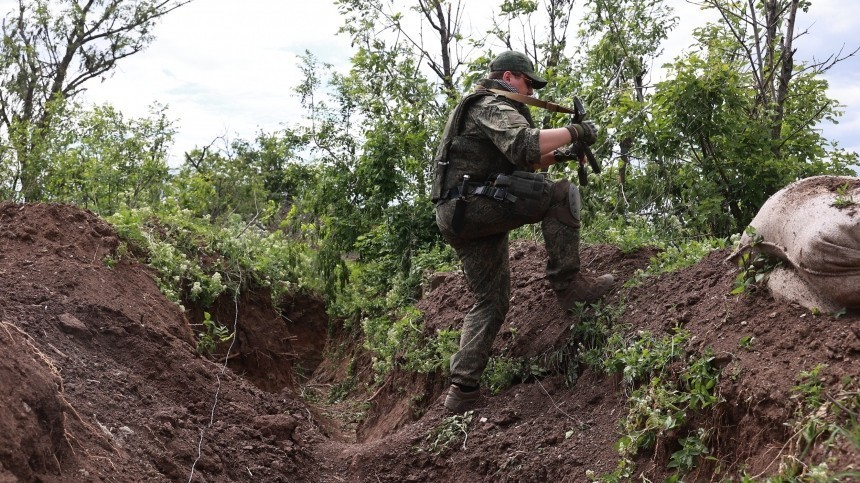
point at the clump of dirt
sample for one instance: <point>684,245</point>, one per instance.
<point>102,382</point>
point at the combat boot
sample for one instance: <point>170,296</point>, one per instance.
<point>460,401</point>
<point>584,288</point>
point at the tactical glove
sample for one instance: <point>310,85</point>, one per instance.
<point>586,132</point>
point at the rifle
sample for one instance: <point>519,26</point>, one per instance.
<point>581,150</point>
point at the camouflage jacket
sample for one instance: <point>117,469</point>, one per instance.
<point>485,134</point>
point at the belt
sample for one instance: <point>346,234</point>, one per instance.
<point>498,194</point>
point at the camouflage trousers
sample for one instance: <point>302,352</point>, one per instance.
<point>482,246</point>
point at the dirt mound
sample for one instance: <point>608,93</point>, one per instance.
<point>102,382</point>
<point>100,377</point>
<point>544,430</point>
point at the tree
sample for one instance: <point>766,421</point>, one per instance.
<point>764,35</point>
<point>737,116</point>
<point>367,20</point>
<point>257,180</point>
<point>372,149</point>
<point>101,161</point>
<point>50,49</point>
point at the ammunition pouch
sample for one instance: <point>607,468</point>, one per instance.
<point>526,188</point>
<point>526,193</point>
<point>519,187</point>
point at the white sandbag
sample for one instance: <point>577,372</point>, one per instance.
<point>813,225</point>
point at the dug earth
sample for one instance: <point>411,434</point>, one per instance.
<point>101,381</point>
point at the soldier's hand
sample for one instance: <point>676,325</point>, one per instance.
<point>585,132</point>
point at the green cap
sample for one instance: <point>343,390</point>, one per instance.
<point>517,62</point>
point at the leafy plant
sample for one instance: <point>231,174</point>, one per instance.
<point>503,372</point>
<point>753,265</point>
<point>643,356</point>
<point>746,342</point>
<point>693,447</point>
<point>844,198</point>
<point>632,232</point>
<point>197,259</point>
<point>662,406</point>
<point>677,257</point>
<point>449,431</point>
<point>212,334</point>
<point>404,338</point>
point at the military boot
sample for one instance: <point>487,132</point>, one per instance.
<point>584,288</point>
<point>460,401</point>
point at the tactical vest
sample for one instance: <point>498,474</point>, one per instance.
<point>460,155</point>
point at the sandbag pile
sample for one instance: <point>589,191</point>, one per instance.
<point>813,226</point>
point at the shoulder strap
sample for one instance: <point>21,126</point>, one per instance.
<point>549,106</point>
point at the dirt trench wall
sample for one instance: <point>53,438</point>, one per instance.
<point>34,419</point>
<point>273,345</point>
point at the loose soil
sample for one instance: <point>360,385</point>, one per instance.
<point>101,381</point>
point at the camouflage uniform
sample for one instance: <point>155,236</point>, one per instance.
<point>495,135</point>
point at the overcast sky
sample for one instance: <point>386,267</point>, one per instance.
<point>228,68</point>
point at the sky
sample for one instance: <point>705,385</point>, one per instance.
<point>227,69</point>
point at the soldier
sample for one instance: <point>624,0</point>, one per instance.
<point>484,186</point>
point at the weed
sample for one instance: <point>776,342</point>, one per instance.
<point>340,390</point>
<point>810,386</point>
<point>676,257</point>
<point>212,334</point>
<point>662,406</point>
<point>503,372</point>
<point>843,197</point>
<point>753,265</point>
<point>585,347</point>
<point>644,356</point>
<point>198,260</point>
<point>449,431</point>
<point>822,422</point>
<point>403,340</point>
<point>111,260</point>
<point>746,342</point>
<point>632,232</point>
<point>693,447</point>
<point>699,382</point>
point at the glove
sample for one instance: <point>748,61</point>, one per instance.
<point>586,132</point>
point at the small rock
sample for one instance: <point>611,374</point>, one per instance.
<point>71,325</point>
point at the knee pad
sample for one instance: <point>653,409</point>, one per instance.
<point>566,203</point>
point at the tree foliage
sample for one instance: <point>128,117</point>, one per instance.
<point>254,180</point>
<point>50,50</point>
<point>102,161</point>
<point>735,120</point>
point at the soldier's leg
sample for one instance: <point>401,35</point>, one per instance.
<point>560,228</point>
<point>486,265</point>
<point>561,235</point>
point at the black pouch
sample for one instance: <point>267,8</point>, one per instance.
<point>459,216</point>
<point>528,188</point>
